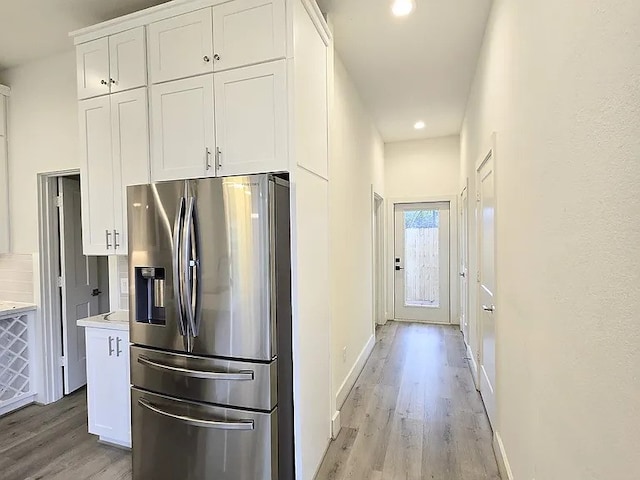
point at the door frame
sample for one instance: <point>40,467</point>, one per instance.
<point>490,154</point>
<point>378,263</point>
<point>463,231</point>
<point>453,251</point>
<point>49,375</point>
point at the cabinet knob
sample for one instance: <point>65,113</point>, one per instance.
<point>112,81</point>
<point>206,59</point>
<point>216,57</point>
<point>104,82</point>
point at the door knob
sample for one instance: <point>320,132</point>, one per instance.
<point>95,292</point>
<point>398,267</point>
<point>462,274</point>
<point>491,308</point>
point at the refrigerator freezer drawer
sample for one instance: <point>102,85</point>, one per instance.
<point>175,439</point>
<point>211,380</point>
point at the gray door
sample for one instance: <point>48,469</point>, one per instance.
<point>211,239</point>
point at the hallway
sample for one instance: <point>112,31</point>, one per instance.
<point>414,413</point>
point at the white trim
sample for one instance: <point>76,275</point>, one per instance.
<point>318,20</point>
<point>336,426</point>
<point>49,334</point>
<point>14,404</point>
<point>4,90</point>
<point>473,365</point>
<point>501,456</point>
<point>356,370</point>
<point>453,251</point>
<point>175,8</point>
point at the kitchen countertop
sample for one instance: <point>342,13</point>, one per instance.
<point>118,320</point>
<point>12,308</point>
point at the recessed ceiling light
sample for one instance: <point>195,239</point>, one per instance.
<point>419,125</point>
<point>402,8</point>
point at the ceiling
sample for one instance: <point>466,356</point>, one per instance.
<point>32,29</point>
<point>418,67</point>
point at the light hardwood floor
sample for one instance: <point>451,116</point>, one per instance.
<point>414,413</point>
<point>52,442</point>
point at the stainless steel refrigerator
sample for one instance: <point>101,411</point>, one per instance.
<point>210,327</point>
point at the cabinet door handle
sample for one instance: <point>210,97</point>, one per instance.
<point>112,81</point>
<point>108,235</point>
<point>116,235</point>
<point>216,57</point>
<point>208,155</point>
<point>104,82</point>
<point>118,349</point>
<point>218,158</point>
<point>206,59</point>
<point>110,345</point>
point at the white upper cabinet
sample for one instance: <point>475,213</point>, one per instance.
<point>130,140</point>
<point>247,32</point>
<point>128,60</point>
<point>96,176</point>
<point>92,65</point>
<point>181,46</point>
<point>112,64</point>
<point>251,119</point>
<point>182,128</point>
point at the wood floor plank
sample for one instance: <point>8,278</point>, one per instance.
<point>414,413</point>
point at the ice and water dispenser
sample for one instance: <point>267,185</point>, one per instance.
<point>150,295</point>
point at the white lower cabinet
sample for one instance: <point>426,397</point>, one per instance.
<point>108,385</point>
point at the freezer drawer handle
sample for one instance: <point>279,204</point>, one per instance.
<point>243,375</point>
<point>197,422</point>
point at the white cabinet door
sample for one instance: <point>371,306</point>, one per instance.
<point>251,119</point>
<point>181,46</point>
<point>103,380</point>
<point>92,66</point>
<point>3,115</point>
<point>97,176</point>
<point>130,137</point>
<point>182,128</point>
<point>248,31</point>
<point>4,196</point>
<point>127,60</point>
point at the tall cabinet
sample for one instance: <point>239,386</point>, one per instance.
<point>4,171</point>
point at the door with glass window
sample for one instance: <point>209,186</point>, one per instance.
<point>421,262</point>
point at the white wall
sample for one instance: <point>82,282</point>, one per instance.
<point>356,163</point>
<point>43,137</point>
<point>560,84</point>
<point>422,168</point>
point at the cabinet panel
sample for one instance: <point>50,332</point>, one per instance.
<point>248,31</point>
<point>130,137</point>
<point>122,391</point>
<point>128,60</point>
<point>3,115</point>
<point>92,65</point>
<point>97,176</point>
<point>103,379</point>
<point>182,128</point>
<point>4,197</point>
<point>181,46</point>
<point>251,119</point>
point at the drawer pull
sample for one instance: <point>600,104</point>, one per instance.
<point>197,422</point>
<point>243,375</point>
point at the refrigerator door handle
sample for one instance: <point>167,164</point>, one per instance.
<point>198,422</point>
<point>177,271</point>
<point>240,376</point>
<point>191,265</point>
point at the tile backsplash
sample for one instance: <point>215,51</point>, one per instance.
<point>123,274</point>
<point>16,278</point>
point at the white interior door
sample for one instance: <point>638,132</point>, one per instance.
<point>487,284</point>
<point>79,285</point>
<point>464,264</point>
<point>421,262</point>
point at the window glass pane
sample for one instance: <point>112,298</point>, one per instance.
<point>422,258</point>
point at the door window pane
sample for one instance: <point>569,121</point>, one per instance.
<point>422,258</point>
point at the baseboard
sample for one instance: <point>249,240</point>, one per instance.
<point>335,425</point>
<point>473,366</point>
<point>501,457</point>
<point>17,404</point>
<point>350,381</point>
